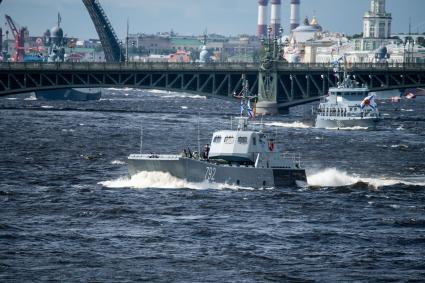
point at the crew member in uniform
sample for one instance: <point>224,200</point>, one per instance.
<point>206,152</point>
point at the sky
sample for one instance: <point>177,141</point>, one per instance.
<point>193,17</point>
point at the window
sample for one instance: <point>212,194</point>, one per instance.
<point>242,140</point>
<point>254,141</point>
<point>217,139</point>
<point>372,30</point>
<point>382,30</point>
<point>229,140</point>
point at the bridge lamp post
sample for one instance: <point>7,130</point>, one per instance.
<point>120,51</point>
<point>133,44</point>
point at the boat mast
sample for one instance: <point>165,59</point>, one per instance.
<point>199,138</point>
<point>141,139</point>
<point>246,110</point>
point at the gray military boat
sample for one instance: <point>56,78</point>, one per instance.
<point>242,157</point>
<point>348,105</point>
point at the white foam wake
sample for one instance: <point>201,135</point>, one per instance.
<point>173,94</point>
<point>298,125</point>
<point>161,180</point>
<point>332,177</point>
<point>121,89</point>
<point>356,128</point>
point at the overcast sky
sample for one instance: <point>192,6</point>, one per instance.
<point>227,17</point>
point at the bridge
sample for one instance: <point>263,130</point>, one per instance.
<point>297,83</point>
<point>110,43</point>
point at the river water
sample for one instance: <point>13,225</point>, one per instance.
<point>69,212</point>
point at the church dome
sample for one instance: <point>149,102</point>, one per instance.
<point>315,23</point>
<point>305,29</point>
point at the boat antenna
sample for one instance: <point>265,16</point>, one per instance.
<point>141,140</point>
<point>127,39</point>
<point>199,138</point>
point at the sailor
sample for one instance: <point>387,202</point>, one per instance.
<point>206,152</point>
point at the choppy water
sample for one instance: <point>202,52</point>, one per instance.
<point>68,211</point>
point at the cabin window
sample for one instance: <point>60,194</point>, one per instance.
<point>242,140</point>
<point>254,141</point>
<point>217,139</point>
<point>229,140</point>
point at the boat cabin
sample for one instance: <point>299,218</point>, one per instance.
<point>241,145</point>
<point>347,95</point>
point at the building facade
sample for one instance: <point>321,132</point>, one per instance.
<point>376,27</point>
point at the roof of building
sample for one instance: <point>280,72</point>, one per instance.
<point>185,42</point>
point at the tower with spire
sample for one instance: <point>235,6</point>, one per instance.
<point>376,25</point>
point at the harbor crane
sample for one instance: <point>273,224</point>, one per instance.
<point>19,35</point>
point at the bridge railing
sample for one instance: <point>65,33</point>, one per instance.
<point>165,66</point>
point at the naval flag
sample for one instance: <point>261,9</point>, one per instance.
<point>249,109</point>
<point>369,102</point>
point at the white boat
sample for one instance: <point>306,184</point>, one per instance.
<point>347,106</point>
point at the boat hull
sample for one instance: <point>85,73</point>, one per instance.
<point>69,94</point>
<point>194,170</point>
<point>369,123</point>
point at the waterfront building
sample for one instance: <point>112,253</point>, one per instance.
<point>376,28</point>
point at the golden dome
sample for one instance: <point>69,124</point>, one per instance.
<point>314,21</point>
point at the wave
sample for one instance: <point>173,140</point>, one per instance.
<point>191,96</point>
<point>161,180</point>
<point>173,94</point>
<point>356,128</point>
<point>330,177</point>
<point>333,177</point>
<point>121,89</point>
<point>31,98</point>
<point>117,162</point>
<point>298,125</point>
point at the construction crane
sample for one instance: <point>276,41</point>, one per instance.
<point>19,35</point>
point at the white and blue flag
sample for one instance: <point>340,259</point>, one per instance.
<point>248,109</point>
<point>369,102</point>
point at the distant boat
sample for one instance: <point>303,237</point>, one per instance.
<point>69,94</point>
<point>348,105</point>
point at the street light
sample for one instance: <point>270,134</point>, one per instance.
<point>119,60</point>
